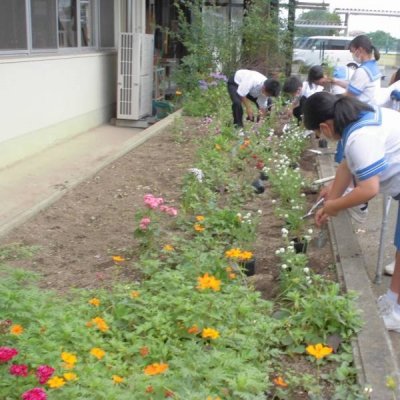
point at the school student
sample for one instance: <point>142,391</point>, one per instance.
<point>366,80</point>
<point>247,87</point>
<point>370,136</point>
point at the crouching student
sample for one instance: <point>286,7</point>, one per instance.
<point>247,87</point>
<point>371,141</point>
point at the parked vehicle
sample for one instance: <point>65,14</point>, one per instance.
<point>318,49</point>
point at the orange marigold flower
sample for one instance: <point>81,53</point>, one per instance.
<point>200,218</point>
<point>117,379</point>
<point>233,253</point>
<point>194,330</point>
<point>135,294</point>
<point>56,382</point>
<point>100,323</point>
<point>69,358</point>
<point>94,301</point>
<point>279,381</point>
<point>149,389</point>
<point>210,333</point>
<point>68,366</point>
<point>98,353</point>
<point>168,247</point>
<point>208,282</point>
<point>169,393</point>
<point>70,376</point>
<point>198,227</point>
<point>246,255</point>
<point>155,369</point>
<point>118,259</point>
<point>232,275</point>
<point>144,351</point>
<point>16,330</point>
<point>319,350</point>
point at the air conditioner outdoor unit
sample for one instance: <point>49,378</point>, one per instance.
<point>135,76</point>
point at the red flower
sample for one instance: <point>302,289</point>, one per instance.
<point>19,370</point>
<point>35,394</point>
<point>7,353</point>
<point>43,373</point>
<point>260,165</point>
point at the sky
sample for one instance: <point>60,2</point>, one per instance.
<point>368,23</point>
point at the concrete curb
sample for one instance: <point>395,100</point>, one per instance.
<point>373,352</point>
<point>136,141</point>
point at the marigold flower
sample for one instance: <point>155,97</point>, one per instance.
<point>319,350</point>
<point>16,330</point>
<point>34,394</point>
<point>68,366</point>
<point>135,294</point>
<point>208,282</point>
<point>155,369</point>
<point>118,259</point>
<point>198,227</point>
<point>279,381</point>
<point>200,218</point>
<point>19,370</point>
<point>178,93</point>
<point>210,333</point>
<point>149,389</point>
<point>70,376</point>
<point>68,358</point>
<point>117,379</point>
<point>43,373</point>
<point>194,330</point>
<point>168,247</point>
<point>246,255</point>
<point>98,353</point>
<point>144,351</point>
<point>169,393</point>
<point>217,147</point>
<point>56,382</point>
<point>94,301</point>
<point>232,275</point>
<point>7,353</point>
<point>100,323</point>
<point>233,253</point>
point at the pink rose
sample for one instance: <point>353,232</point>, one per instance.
<point>43,373</point>
<point>35,394</point>
<point>19,370</point>
<point>144,223</point>
<point>7,353</point>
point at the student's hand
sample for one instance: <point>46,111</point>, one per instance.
<point>330,208</point>
<point>320,217</point>
<point>324,192</point>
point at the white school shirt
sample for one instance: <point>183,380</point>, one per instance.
<point>251,82</point>
<point>372,147</point>
<point>307,90</point>
<point>344,73</point>
<point>383,97</point>
<point>366,82</point>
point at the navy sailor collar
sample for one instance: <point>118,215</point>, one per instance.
<point>367,118</point>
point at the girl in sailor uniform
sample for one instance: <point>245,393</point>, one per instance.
<point>370,137</point>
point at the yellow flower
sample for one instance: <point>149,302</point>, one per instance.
<point>178,93</point>
<point>233,253</point>
<point>168,247</point>
<point>319,350</point>
<point>16,330</point>
<point>279,381</point>
<point>208,282</point>
<point>155,369</point>
<point>94,301</point>
<point>200,218</point>
<point>210,333</point>
<point>232,275</point>
<point>135,294</point>
<point>98,353</point>
<point>68,358</point>
<point>246,255</point>
<point>56,382</point>
<point>217,147</point>
<point>68,366</point>
<point>198,228</point>
<point>70,376</point>
<point>117,379</point>
<point>100,323</point>
<point>118,259</point>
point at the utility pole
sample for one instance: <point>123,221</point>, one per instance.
<point>290,36</point>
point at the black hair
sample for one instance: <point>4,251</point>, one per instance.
<point>315,73</point>
<point>352,65</point>
<point>291,85</point>
<point>396,76</point>
<point>365,43</point>
<point>323,106</point>
<point>272,86</point>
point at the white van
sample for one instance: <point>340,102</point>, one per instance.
<point>318,49</point>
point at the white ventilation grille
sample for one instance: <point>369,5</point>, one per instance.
<point>135,76</point>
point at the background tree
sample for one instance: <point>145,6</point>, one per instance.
<point>384,41</point>
<point>318,16</point>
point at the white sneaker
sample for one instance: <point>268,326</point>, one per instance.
<point>359,213</point>
<point>385,305</point>
<point>389,268</point>
<point>392,321</point>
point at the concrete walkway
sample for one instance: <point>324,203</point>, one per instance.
<point>33,184</point>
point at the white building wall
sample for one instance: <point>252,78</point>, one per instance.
<point>44,100</point>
